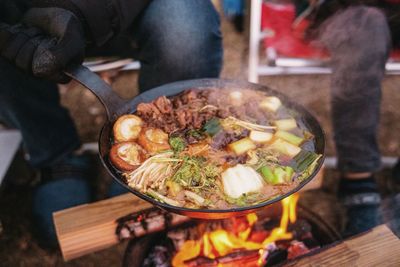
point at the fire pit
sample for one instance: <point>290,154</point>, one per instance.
<point>260,239</point>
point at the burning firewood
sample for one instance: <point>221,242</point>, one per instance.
<point>239,241</point>
<point>155,220</point>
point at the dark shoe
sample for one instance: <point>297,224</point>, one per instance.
<point>362,202</point>
<point>64,185</point>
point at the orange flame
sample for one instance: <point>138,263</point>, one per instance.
<point>288,214</point>
<point>220,242</point>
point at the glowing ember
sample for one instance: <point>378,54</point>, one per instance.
<point>219,243</point>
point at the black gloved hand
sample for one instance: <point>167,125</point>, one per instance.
<point>47,40</point>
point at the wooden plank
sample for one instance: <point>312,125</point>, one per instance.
<point>91,227</point>
<point>378,247</point>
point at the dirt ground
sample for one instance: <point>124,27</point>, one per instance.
<point>19,248</point>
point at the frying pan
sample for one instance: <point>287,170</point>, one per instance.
<point>116,106</point>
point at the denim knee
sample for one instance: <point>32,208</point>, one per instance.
<point>33,106</point>
<point>178,40</point>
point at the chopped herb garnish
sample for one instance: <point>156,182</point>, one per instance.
<point>195,172</point>
<point>177,144</point>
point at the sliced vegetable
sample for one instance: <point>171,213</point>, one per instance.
<point>289,173</point>
<point>303,160</point>
<point>260,137</point>
<point>153,140</point>
<point>271,103</point>
<point>212,126</point>
<point>162,198</point>
<point>277,175</point>
<point>309,170</point>
<point>127,128</point>
<point>291,138</point>
<point>285,124</point>
<point>285,148</point>
<point>267,174</point>
<point>195,197</point>
<point>240,180</point>
<point>177,144</point>
<point>127,156</point>
<point>242,146</point>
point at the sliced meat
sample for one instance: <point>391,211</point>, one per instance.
<point>163,104</point>
<point>181,112</point>
<point>147,109</point>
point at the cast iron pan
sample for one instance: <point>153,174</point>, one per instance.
<point>116,106</point>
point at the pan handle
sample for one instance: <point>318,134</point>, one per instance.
<point>112,103</point>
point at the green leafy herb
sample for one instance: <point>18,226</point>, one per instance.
<point>245,199</point>
<point>212,126</point>
<point>211,170</point>
<point>177,144</point>
<point>195,172</point>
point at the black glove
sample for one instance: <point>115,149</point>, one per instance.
<point>47,40</point>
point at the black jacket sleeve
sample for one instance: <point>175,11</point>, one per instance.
<point>102,19</point>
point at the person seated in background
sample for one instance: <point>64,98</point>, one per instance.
<point>359,36</point>
<point>174,40</point>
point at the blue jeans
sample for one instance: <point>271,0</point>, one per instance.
<point>176,40</point>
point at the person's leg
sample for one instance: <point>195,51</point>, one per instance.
<point>358,39</point>
<point>359,42</point>
<point>49,136</point>
<point>178,40</point>
<point>33,106</point>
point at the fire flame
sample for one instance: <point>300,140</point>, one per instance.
<point>220,242</point>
